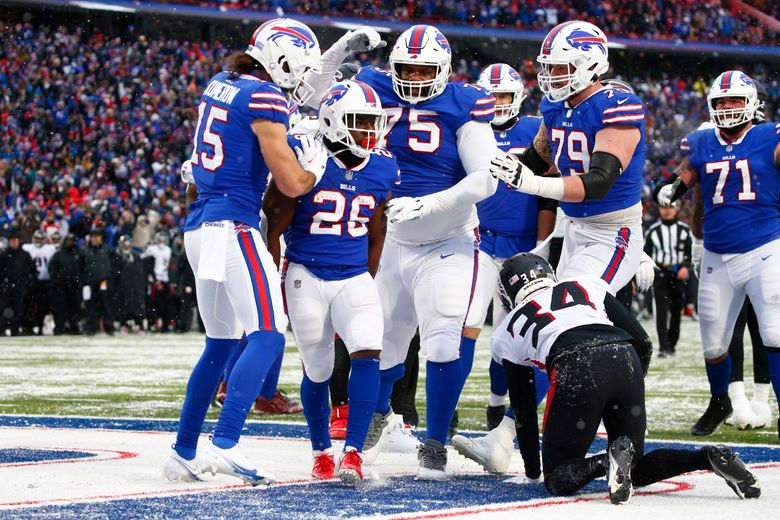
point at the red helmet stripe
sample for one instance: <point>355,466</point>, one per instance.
<point>548,41</point>
<point>416,39</point>
<point>725,81</point>
<point>495,75</point>
<point>367,92</point>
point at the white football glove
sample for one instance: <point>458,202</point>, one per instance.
<point>312,156</point>
<point>665,195</point>
<point>507,168</point>
<point>404,209</point>
<point>186,172</point>
<point>646,273</point>
<point>697,248</point>
<point>363,40</point>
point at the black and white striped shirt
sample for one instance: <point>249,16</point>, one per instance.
<point>669,244</point>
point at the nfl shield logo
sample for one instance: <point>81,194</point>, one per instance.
<point>349,175</point>
<point>297,284</point>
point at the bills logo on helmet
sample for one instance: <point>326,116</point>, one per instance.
<point>442,41</point>
<point>300,37</point>
<point>583,40</point>
<point>334,94</point>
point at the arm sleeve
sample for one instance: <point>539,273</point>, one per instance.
<point>622,318</point>
<point>522,397</point>
<point>329,63</point>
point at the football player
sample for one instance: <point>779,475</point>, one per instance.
<point>41,252</point>
<point>240,135</point>
<point>334,237</point>
<point>570,329</point>
<point>737,165</point>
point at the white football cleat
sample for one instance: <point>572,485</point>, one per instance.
<point>492,451</point>
<point>232,462</point>
<point>400,439</point>
<point>762,412</point>
<point>742,415</point>
<point>179,469</point>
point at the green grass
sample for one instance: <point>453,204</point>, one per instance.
<point>145,377</point>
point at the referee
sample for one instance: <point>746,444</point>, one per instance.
<point>668,243</point>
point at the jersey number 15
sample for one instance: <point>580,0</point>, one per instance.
<point>212,142</point>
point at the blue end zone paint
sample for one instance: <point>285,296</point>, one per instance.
<point>21,455</point>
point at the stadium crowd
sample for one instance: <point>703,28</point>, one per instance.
<point>93,130</point>
<point>689,20</point>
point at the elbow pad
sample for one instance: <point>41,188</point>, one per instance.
<point>605,168</point>
<point>531,158</point>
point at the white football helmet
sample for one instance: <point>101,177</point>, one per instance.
<point>340,113</point>
<point>421,45</point>
<point>582,47</point>
<point>732,83</point>
<point>501,78</point>
<point>287,49</point>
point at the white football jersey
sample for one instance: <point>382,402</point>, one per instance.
<point>162,258</point>
<point>41,256</point>
<point>529,331</point>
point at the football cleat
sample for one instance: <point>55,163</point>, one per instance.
<point>492,451</point>
<point>232,462</point>
<point>762,412</point>
<point>350,467</point>
<point>338,422</point>
<point>400,439</point>
<point>453,429</point>
<point>742,415</point>
<point>221,395</point>
<point>729,466</point>
<point>377,431</point>
<point>179,469</point>
<point>495,414</point>
<point>278,404</point>
<point>324,465</point>
<point>432,459</point>
<point>620,455</point>
<point>717,412</point>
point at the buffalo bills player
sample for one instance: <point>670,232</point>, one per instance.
<point>334,237</point>
<point>596,353</point>
<point>737,165</point>
<point>509,221</point>
<point>594,135</point>
<point>439,133</point>
<point>240,135</point>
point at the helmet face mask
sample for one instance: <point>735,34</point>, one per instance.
<point>573,56</point>
<point>287,49</point>
<point>351,114</point>
<point>732,84</point>
<point>39,238</point>
<point>421,45</point>
<point>500,78</point>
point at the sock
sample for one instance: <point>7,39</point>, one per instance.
<point>200,389</point>
<point>718,375</point>
<point>761,392</point>
<point>569,476</point>
<point>467,346</point>
<point>542,384</point>
<point>509,413</point>
<point>386,380</point>
<point>272,379</point>
<point>262,349</point>
<point>363,391</point>
<point>339,381</point>
<point>498,384</point>
<point>773,356</point>
<point>236,354</point>
<point>496,400</point>
<point>442,386</point>
<point>314,398</point>
<point>665,463</point>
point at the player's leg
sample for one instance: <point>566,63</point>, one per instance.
<point>763,288</point>
<point>676,305</point>
<point>661,311</point>
<point>339,384</point>
<point>761,380</point>
<point>720,301</point>
<point>356,313</point>
<point>742,413</point>
<point>442,292</point>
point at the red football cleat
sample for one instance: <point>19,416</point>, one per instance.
<point>350,470</point>
<point>280,404</point>
<point>338,422</point>
<point>324,466</point>
<point>219,397</point>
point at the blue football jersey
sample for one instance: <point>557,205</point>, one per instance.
<point>740,184</point>
<point>508,218</point>
<point>328,234</point>
<point>227,163</point>
<point>572,134</point>
<point>423,136</point>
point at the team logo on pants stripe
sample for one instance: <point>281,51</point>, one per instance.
<point>617,257</point>
<point>265,318</point>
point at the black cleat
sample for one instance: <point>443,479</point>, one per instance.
<point>495,414</point>
<point>620,456</point>
<point>717,411</point>
<point>453,425</point>
<point>729,466</point>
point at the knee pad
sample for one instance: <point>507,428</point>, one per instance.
<point>441,344</point>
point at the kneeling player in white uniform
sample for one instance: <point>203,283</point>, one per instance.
<point>596,369</point>
<point>737,165</point>
<point>334,237</point>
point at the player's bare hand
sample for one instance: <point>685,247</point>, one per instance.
<point>364,40</point>
<point>312,155</point>
<point>507,168</point>
<point>404,209</point>
<point>646,273</point>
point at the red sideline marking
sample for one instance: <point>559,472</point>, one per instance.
<point>117,455</point>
